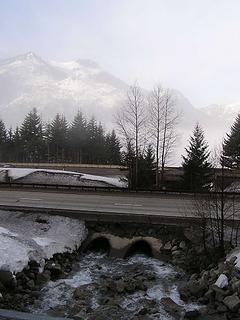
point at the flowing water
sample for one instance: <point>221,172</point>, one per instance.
<point>96,268</point>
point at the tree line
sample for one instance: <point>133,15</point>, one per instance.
<point>147,129</point>
<point>147,125</point>
<point>199,165</point>
<point>82,141</point>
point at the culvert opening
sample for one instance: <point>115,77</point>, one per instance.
<point>140,247</point>
<point>99,245</point>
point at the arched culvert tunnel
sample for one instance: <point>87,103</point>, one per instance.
<point>139,247</point>
<point>100,244</point>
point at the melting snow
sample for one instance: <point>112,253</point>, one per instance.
<point>67,176</point>
<point>32,236</point>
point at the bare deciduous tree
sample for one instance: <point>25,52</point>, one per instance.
<point>163,120</point>
<point>131,120</point>
<point>219,209</point>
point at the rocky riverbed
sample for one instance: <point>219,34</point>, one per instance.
<point>101,287</point>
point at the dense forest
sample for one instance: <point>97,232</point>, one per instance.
<point>82,141</point>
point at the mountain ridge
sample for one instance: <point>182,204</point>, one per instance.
<point>28,81</point>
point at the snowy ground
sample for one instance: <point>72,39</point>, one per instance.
<point>59,177</point>
<point>24,237</point>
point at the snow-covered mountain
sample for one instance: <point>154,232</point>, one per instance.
<point>222,114</point>
<point>27,81</point>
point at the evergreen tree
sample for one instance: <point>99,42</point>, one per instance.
<point>32,137</point>
<point>9,146</point>
<point>58,138</point>
<point>196,165</point>
<point>17,147</point>
<point>146,173</point>
<point>129,161</point>
<point>95,142</point>
<point>231,146</point>
<point>78,137</point>
<point>3,141</point>
<point>99,143</point>
<point>113,148</point>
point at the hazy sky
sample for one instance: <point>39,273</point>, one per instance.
<point>190,45</point>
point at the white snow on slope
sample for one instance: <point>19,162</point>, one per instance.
<point>17,173</point>
<point>28,81</point>
<point>24,237</point>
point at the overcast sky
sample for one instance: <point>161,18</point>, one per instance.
<point>190,45</point>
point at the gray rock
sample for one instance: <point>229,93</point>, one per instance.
<point>176,253</point>
<point>120,286</point>
<point>171,306</point>
<point>30,284</point>
<point>197,289</point>
<point>210,294</point>
<point>220,294</point>
<point>233,260</point>
<point>222,309</point>
<point>192,314</point>
<point>2,288</point>
<point>232,302</point>
<point>167,246</point>
<point>184,291</point>
<point>235,283</point>
<point>43,277</point>
<point>182,245</point>
<point>7,279</point>
<point>194,276</point>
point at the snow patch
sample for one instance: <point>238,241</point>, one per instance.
<point>25,237</point>
<point>84,179</point>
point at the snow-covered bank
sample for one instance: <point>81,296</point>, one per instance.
<point>49,176</point>
<point>25,237</point>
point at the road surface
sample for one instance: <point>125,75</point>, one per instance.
<point>176,205</point>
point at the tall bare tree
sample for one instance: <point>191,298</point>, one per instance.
<point>219,209</point>
<point>163,120</point>
<point>131,121</point>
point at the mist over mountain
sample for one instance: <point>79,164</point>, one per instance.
<point>27,81</point>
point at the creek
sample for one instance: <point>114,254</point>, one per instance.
<point>101,287</point>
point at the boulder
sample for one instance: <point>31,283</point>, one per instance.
<point>197,289</point>
<point>2,288</point>
<point>222,308</point>
<point>43,277</point>
<point>222,281</point>
<point>120,286</point>
<point>182,245</point>
<point>192,314</point>
<point>232,302</point>
<point>220,294</point>
<point>184,291</point>
<point>235,284</point>
<point>210,294</point>
<point>171,306</point>
<point>7,279</point>
<point>31,284</point>
<point>167,246</point>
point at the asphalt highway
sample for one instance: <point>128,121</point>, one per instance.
<point>174,205</point>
